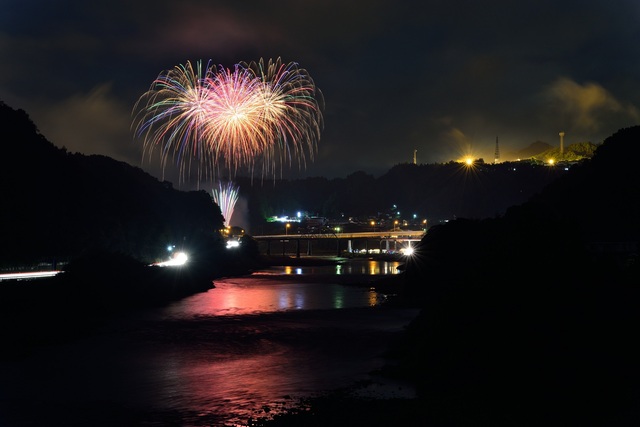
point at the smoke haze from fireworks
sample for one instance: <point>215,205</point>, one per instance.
<point>226,197</point>
<point>220,118</point>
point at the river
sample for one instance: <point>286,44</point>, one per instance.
<point>247,348</point>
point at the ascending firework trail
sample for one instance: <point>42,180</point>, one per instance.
<point>226,197</point>
<point>254,114</point>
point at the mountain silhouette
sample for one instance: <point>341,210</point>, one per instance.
<point>527,319</point>
<point>58,205</point>
<point>528,152</point>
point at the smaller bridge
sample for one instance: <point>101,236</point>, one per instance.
<point>387,237</point>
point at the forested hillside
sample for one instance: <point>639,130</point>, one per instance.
<point>437,192</point>
<point>58,205</point>
<point>535,309</point>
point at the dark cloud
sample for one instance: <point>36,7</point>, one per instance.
<point>439,77</point>
<point>90,123</point>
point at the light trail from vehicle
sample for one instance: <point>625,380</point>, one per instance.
<point>28,275</point>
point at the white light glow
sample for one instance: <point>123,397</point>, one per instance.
<point>29,275</point>
<point>179,258</point>
<point>232,244</point>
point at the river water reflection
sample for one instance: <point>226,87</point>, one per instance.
<point>250,345</point>
<point>357,267</point>
<point>289,288</point>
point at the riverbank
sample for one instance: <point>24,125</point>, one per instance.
<point>73,304</point>
<point>525,355</point>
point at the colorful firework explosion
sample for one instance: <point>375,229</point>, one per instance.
<point>232,118</point>
<point>226,197</point>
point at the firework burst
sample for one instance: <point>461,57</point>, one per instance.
<point>256,114</point>
<point>292,111</point>
<point>226,197</point>
<point>175,115</point>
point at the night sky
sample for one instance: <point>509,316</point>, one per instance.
<point>439,77</point>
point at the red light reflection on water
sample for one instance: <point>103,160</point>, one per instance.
<point>215,358</point>
<point>244,364</point>
<point>239,296</point>
<point>238,387</point>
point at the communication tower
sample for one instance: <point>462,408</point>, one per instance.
<point>561,142</point>
<point>496,156</point>
<point>415,156</point>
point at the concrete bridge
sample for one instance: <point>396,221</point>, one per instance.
<point>390,240</point>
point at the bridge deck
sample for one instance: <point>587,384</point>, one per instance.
<point>383,235</point>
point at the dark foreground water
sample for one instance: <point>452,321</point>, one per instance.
<point>243,350</point>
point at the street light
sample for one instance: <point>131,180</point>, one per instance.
<point>286,229</point>
<point>395,224</point>
<point>373,225</point>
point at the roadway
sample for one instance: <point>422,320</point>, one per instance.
<point>383,235</point>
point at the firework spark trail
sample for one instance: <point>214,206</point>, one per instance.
<point>232,118</point>
<point>175,114</point>
<point>226,197</point>
<point>293,110</point>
